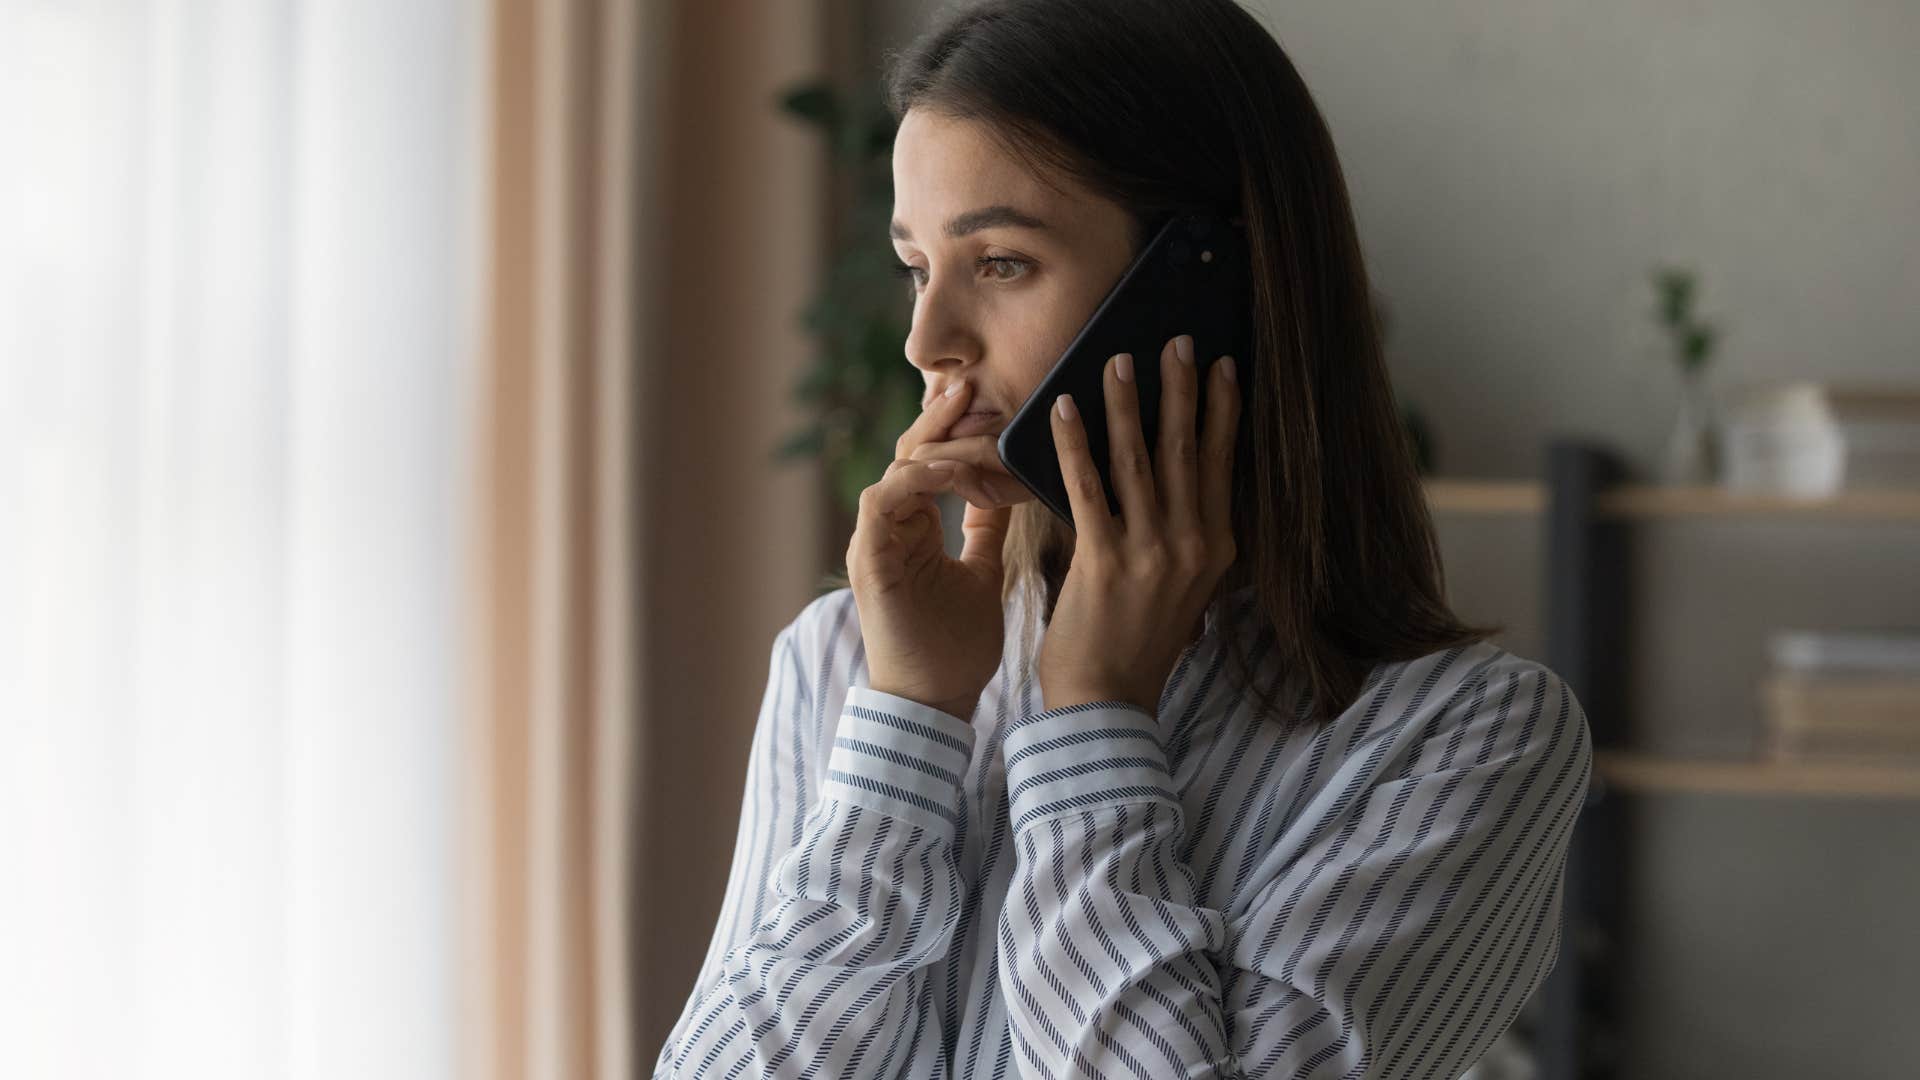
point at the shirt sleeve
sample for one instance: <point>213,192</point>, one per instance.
<point>1417,904</point>
<point>829,974</point>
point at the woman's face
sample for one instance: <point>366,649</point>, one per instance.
<point>1005,270</point>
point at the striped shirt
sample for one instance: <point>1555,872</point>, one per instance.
<point>1092,891</point>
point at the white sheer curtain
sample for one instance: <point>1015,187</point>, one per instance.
<point>237,281</point>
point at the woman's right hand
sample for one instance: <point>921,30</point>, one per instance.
<point>933,625</point>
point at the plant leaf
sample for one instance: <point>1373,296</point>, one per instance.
<point>1696,345</point>
<point>814,102</point>
<point>1676,293</point>
<point>807,442</point>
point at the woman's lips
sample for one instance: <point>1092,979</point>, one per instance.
<point>975,423</point>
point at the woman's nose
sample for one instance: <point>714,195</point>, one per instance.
<point>938,354</point>
<point>939,339</point>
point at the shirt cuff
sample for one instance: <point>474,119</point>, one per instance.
<point>1083,757</point>
<point>901,758</point>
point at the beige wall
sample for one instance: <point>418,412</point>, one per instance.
<point>736,235</point>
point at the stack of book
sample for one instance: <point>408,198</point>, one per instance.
<point>1843,696</point>
<point>1880,425</point>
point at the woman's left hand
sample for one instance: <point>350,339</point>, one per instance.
<point>1140,581</point>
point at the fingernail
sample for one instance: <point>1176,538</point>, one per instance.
<point>1065,402</point>
<point>953,388</point>
<point>1123,367</point>
<point>1226,368</point>
<point>940,465</point>
<point>1183,346</point>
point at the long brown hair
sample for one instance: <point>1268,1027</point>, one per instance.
<point>1162,105</point>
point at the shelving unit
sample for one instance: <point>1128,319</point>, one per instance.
<point>1462,496</point>
<point>1640,772</point>
<point>1467,496</point>
<point>1648,772</point>
<point>1587,513</point>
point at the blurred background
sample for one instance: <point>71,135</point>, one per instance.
<point>417,418</point>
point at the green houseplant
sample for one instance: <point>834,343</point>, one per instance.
<point>1691,456</point>
<point>860,392</point>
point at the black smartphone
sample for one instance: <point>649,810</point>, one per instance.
<point>1191,278</point>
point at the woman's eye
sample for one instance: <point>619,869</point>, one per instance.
<point>1002,263</point>
<point>999,265</point>
<point>902,270</point>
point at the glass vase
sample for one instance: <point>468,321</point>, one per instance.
<point>1692,447</point>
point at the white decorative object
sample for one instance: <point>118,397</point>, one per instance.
<point>1781,439</point>
<point>1890,651</point>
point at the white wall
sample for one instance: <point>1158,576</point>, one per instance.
<point>1517,168</point>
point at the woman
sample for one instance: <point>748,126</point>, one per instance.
<point>1243,797</point>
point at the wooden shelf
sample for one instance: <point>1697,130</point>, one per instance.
<point>1887,504</point>
<point>1464,495</point>
<point>1647,772</point>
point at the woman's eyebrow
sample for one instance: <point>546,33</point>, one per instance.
<point>973,221</point>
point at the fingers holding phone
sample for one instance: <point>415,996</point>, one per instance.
<point>1189,285</point>
<point>1177,459</point>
